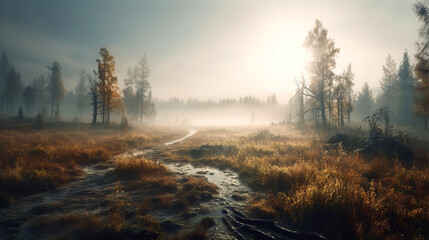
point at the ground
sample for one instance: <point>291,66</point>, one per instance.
<point>244,182</point>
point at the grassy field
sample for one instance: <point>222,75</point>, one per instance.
<point>339,194</point>
<point>35,160</point>
<point>38,160</point>
<point>297,182</point>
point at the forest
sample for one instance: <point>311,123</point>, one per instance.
<point>210,121</point>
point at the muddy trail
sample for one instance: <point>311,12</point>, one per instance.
<point>90,194</point>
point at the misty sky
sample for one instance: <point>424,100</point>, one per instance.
<point>205,49</point>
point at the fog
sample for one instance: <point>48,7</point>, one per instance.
<point>204,49</point>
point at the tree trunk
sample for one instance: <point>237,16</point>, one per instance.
<point>52,104</point>
<point>141,107</point>
<point>426,122</point>
<point>108,112</point>
<point>94,112</point>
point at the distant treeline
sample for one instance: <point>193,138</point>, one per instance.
<point>175,102</point>
<point>96,94</point>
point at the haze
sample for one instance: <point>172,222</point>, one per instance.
<point>205,49</point>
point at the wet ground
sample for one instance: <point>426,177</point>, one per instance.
<point>90,194</point>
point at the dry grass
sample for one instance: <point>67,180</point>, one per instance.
<point>338,194</point>
<point>131,166</point>
<point>34,161</point>
<point>197,189</point>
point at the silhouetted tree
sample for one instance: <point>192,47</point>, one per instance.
<point>130,92</point>
<point>93,93</point>
<point>40,88</point>
<point>422,89</point>
<point>406,87</point>
<point>4,72</point>
<point>151,111</point>
<point>29,96</point>
<point>142,72</point>
<point>81,91</point>
<point>20,114</point>
<point>422,66</point>
<point>13,89</point>
<point>129,100</point>
<point>342,94</point>
<point>108,90</point>
<point>389,83</point>
<point>321,67</point>
<point>55,88</point>
<point>365,101</point>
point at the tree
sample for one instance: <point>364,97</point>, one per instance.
<point>93,93</point>
<point>20,114</point>
<point>142,72</point>
<point>342,93</point>
<point>321,67</point>
<point>389,82</point>
<point>422,88</point>
<point>55,88</point>
<point>81,92</point>
<point>130,92</point>
<point>108,89</point>
<point>4,71</point>
<point>406,87</point>
<point>365,101</point>
<point>29,96</point>
<point>421,69</point>
<point>129,100</point>
<point>151,111</point>
<point>40,86</point>
<point>13,89</point>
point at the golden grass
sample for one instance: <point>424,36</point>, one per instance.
<point>35,161</point>
<point>332,192</point>
<point>131,166</point>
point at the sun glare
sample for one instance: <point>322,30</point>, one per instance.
<point>275,55</point>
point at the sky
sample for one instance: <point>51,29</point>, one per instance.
<point>205,49</point>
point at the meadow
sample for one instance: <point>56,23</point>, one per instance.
<point>296,180</point>
<point>35,160</point>
<point>307,186</point>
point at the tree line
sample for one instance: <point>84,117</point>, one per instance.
<point>252,101</point>
<point>328,99</point>
<point>42,95</point>
<point>98,92</point>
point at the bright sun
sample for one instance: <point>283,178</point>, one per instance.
<point>275,55</point>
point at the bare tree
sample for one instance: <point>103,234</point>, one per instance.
<point>321,68</point>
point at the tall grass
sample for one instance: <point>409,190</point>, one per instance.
<point>34,161</point>
<point>341,195</point>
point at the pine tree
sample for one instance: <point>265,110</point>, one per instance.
<point>81,92</point>
<point>142,76</point>
<point>389,83</point>
<point>29,96</point>
<point>406,87</point>
<point>40,86</point>
<point>55,88</point>
<point>13,89</point>
<point>365,101</point>
<point>421,9</point>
